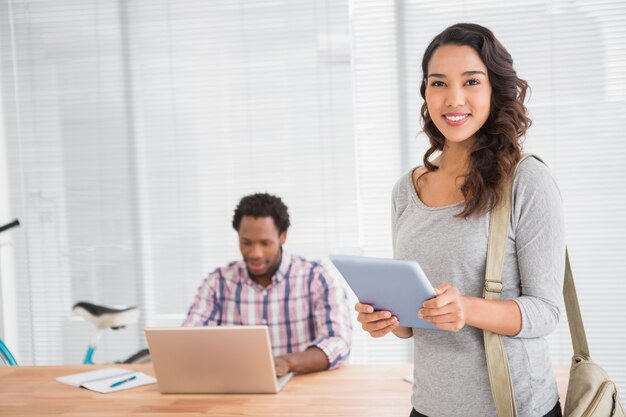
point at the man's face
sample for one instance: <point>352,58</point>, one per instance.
<point>259,243</point>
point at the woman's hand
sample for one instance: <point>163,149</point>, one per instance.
<point>447,311</point>
<point>376,323</point>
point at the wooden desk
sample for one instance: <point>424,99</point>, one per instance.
<point>355,390</point>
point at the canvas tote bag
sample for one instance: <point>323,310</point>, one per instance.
<point>590,392</point>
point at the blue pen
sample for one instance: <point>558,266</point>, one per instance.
<point>118,383</point>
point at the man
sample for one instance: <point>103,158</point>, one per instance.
<point>303,306</point>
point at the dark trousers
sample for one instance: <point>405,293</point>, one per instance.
<point>555,412</point>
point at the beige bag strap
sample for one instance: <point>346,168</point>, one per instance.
<point>574,318</point>
<point>497,362</point>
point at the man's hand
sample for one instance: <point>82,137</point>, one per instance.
<point>311,360</point>
<point>281,365</point>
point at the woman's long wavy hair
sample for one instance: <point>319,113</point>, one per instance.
<point>498,142</point>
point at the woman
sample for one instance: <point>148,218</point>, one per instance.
<point>474,117</point>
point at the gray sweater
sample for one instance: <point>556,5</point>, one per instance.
<point>450,368</point>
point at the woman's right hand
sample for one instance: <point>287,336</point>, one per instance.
<point>376,323</point>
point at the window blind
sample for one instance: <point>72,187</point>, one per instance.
<point>134,129</point>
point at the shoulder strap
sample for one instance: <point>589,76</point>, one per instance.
<point>497,362</point>
<point>574,318</point>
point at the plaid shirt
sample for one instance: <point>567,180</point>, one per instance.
<point>303,306</point>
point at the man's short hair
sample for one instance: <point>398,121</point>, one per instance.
<point>262,205</point>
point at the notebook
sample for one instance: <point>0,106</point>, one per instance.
<point>108,379</point>
<point>222,359</point>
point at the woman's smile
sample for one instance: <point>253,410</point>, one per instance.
<point>456,119</point>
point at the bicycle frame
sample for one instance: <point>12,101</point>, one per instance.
<point>91,348</point>
<point>5,355</point>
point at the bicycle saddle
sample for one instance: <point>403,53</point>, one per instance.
<point>105,317</point>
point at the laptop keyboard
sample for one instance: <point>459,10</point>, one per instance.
<point>282,380</point>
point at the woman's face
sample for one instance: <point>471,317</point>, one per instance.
<point>458,92</point>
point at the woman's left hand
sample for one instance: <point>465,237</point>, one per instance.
<point>447,311</point>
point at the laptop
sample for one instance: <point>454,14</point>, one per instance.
<point>214,360</point>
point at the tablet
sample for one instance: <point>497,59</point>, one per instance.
<point>398,286</point>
